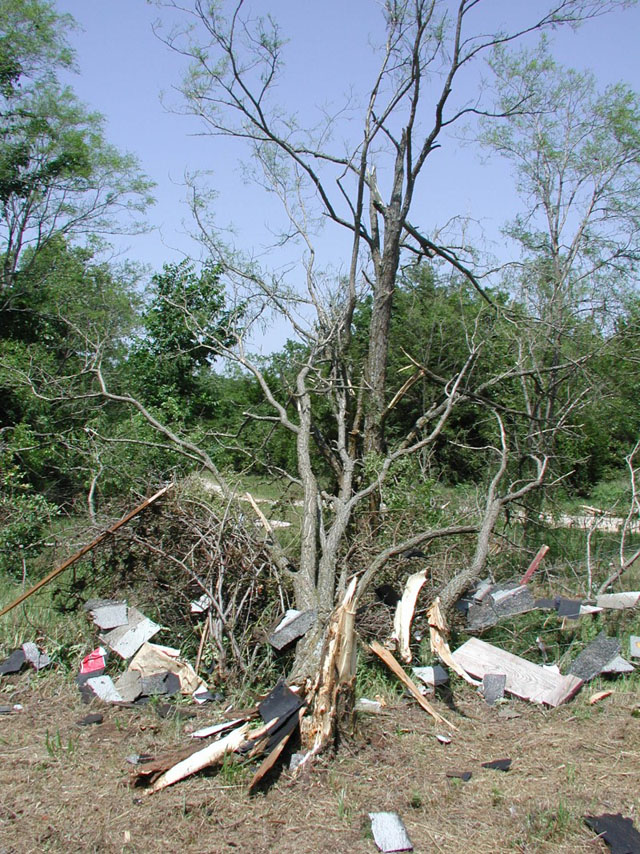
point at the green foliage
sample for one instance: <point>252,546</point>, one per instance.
<point>24,518</point>
<point>58,175</point>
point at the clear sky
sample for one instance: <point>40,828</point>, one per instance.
<point>123,68</point>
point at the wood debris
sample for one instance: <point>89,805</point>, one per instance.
<point>84,550</point>
<point>524,679</point>
<point>210,755</point>
<point>618,601</point>
<point>533,566</point>
<point>599,695</point>
<point>438,633</point>
<point>336,676</point>
<point>395,667</point>
<point>405,610</point>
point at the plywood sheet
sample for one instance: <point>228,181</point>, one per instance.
<point>524,679</point>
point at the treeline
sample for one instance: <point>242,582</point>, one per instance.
<point>109,381</point>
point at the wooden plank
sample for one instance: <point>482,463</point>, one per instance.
<point>83,551</point>
<point>618,601</point>
<point>525,679</point>
<point>393,665</point>
<point>535,563</point>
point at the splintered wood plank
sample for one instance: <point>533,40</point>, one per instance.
<point>525,679</point>
<point>395,667</point>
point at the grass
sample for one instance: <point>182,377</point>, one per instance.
<point>373,680</point>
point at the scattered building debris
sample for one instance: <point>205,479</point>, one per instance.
<point>389,832</point>
<point>499,602</point>
<point>598,696</point>
<point>404,614</point>
<point>94,663</point>
<point>443,739</point>
<point>569,608</point>
<point>88,720</point>
<point>533,566</point>
<point>493,685</point>
<point>618,832</point>
<point>201,605</point>
<point>498,764</point>
<point>465,776</point>
<point>432,677</point>
<point>14,663</point>
<point>107,613</point>
<point>617,666</point>
<point>482,589</point>
<point>36,658</point>
<point>393,665</point>
<point>126,640</point>
<point>293,625</point>
<point>129,686</point>
<point>9,710</point>
<point>594,657</point>
<point>370,706</point>
<point>618,601</point>
<point>524,679</point>
<point>153,660</point>
<point>103,687</point>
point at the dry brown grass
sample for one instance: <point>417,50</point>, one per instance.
<point>64,787</point>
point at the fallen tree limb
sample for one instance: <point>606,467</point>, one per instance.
<point>209,755</point>
<point>83,551</point>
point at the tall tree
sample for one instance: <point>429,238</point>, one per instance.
<point>576,155</point>
<point>58,175</point>
<point>368,193</point>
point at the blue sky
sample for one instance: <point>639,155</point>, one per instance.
<point>123,69</point>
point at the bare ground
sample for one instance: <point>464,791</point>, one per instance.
<point>65,787</point>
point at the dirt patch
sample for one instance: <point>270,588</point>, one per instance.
<point>65,788</point>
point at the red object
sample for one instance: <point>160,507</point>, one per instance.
<point>535,563</point>
<point>96,660</point>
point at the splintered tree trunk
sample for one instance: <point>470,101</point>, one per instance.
<point>331,696</point>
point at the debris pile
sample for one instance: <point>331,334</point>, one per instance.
<point>304,718</point>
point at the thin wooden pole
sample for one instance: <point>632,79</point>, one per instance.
<point>83,551</point>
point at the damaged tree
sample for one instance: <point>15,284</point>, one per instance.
<point>337,407</point>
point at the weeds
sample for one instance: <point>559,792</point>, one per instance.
<point>549,825</point>
<point>56,747</point>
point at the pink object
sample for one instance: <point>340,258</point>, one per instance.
<point>96,660</point>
